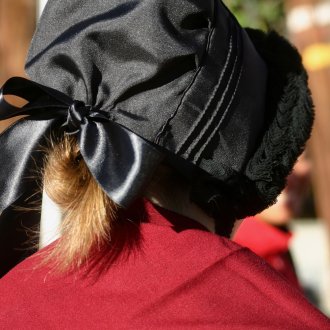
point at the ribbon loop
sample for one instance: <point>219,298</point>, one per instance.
<point>41,99</point>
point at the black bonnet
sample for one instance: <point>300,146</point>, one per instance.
<point>187,79</point>
<point>171,71</point>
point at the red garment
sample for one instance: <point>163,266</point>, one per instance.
<point>179,276</point>
<point>270,243</point>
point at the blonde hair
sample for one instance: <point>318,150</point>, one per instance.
<point>88,213</point>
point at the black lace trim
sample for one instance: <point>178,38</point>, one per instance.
<point>289,119</point>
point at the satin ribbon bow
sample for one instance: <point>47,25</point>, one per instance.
<point>119,160</point>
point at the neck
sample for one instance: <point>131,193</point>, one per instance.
<point>171,191</point>
<point>184,207</point>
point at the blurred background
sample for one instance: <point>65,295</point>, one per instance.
<point>307,24</point>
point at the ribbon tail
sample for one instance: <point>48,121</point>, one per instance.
<point>20,158</point>
<point>120,161</point>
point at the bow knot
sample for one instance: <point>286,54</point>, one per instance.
<point>77,113</point>
<point>103,144</point>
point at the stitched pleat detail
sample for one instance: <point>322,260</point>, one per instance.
<point>219,103</point>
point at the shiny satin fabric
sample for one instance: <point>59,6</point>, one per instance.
<point>176,73</point>
<point>166,73</point>
<point>230,107</point>
<point>113,154</point>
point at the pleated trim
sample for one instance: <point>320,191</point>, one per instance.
<point>219,104</point>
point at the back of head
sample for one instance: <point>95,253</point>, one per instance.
<point>130,85</point>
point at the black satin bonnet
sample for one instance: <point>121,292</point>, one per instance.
<point>176,80</point>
